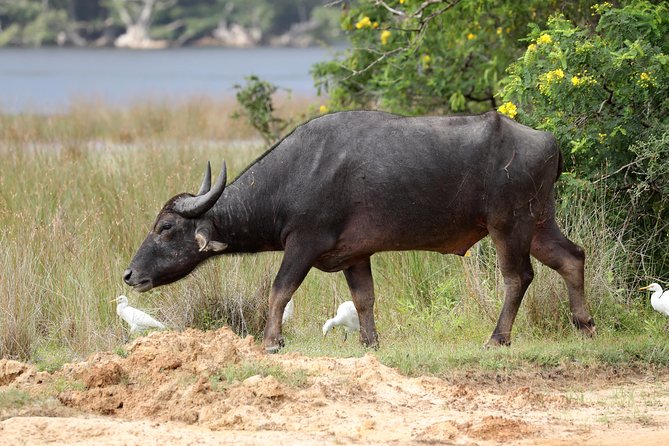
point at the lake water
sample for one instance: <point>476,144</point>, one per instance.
<point>46,80</point>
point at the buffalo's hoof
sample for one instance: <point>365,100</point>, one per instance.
<point>588,328</point>
<point>495,342</point>
<point>371,345</point>
<point>274,347</point>
<point>369,339</point>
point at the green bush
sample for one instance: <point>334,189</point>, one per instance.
<point>256,100</point>
<point>597,90</point>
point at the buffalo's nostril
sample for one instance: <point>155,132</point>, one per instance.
<point>126,275</point>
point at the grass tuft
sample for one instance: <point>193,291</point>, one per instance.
<point>12,398</point>
<point>235,373</point>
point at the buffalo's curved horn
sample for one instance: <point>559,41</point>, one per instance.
<point>191,207</point>
<point>206,181</point>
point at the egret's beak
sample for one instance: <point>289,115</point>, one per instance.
<point>113,300</point>
<point>644,288</point>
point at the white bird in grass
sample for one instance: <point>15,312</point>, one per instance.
<point>659,300</point>
<point>288,312</point>
<point>347,316</point>
<point>137,319</point>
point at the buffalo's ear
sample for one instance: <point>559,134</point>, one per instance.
<point>204,241</point>
<point>209,245</point>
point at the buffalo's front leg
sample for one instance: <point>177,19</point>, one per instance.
<point>361,284</point>
<point>298,257</point>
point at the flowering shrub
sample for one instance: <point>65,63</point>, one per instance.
<point>509,109</point>
<point>415,56</point>
<point>598,90</point>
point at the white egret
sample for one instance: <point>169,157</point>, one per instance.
<point>347,316</point>
<point>659,300</point>
<point>137,319</point>
<point>288,311</point>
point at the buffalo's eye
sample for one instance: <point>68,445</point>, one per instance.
<point>164,227</point>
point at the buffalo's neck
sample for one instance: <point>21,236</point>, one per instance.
<point>243,218</point>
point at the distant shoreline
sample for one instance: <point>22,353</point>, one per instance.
<point>49,80</point>
<point>336,45</point>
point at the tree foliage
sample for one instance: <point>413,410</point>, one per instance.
<point>599,90</point>
<point>434,56</point>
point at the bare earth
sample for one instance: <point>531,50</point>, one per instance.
<point>166,391</point>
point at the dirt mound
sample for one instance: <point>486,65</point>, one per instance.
<point>165,376</point>
<point>222,388</point>
<point>500,429</point>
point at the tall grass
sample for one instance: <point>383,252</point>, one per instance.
<point>79,191</point>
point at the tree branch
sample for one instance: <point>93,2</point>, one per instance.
<point>123,13</point>
<point>419,32</point>
<point>147,11</point>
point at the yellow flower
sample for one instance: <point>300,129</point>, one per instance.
<point>499,31</point>
<point>385,35</point>
<point>532,47</point>
<point>375,25</point>
<point>549,78</point>
<point>544,39</point>
<point>645,80</point>
<point>557,74</point>
<point>509,109</point>
<point>584,79</point>
<point>602,137</point>
<point>364,22</point>
<point>471,36</point>
<point>426,60</point>
<point>323,109</point>
<point>402,2</point>
<point>601,8</point>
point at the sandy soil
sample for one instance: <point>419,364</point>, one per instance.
<point>168,390</point>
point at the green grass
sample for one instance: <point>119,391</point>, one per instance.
<point>62,384</point>
<point>430,353</point>
<point>14,398</point>
<point>235,373</point>
<point>49,357</point>
<point>79,191</point>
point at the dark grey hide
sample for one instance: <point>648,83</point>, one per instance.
<point>347,185</point>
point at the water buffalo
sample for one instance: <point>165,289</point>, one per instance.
<point>346,185</point>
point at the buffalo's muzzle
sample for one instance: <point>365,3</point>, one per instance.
<point>140,285</point>
<point>127,274</point>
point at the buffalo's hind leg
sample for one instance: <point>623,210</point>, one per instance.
<point>361,284</point>
<point>513,253</point>
<point>556,251</point>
